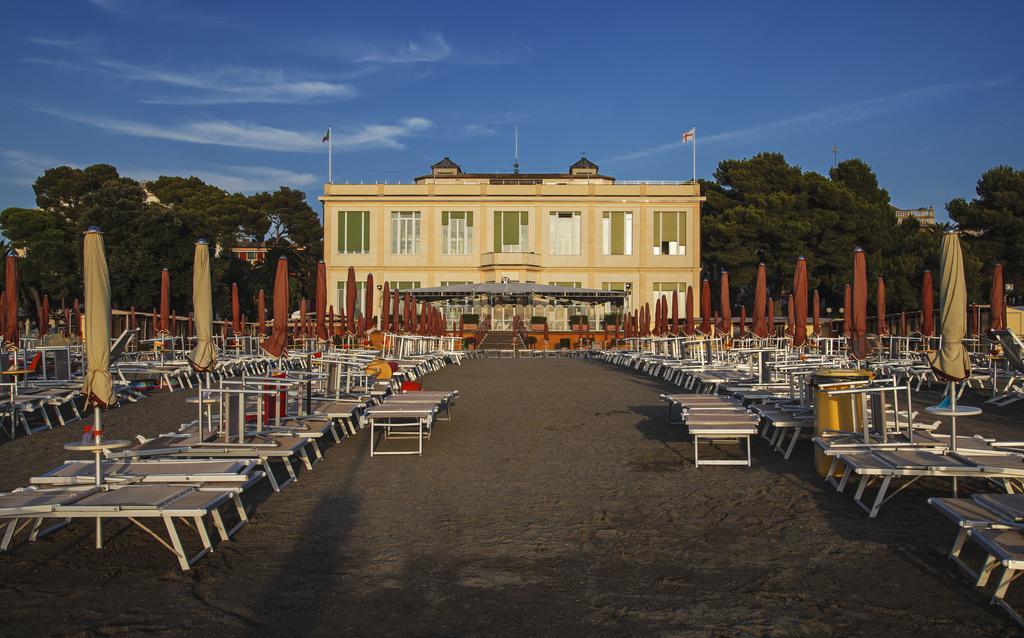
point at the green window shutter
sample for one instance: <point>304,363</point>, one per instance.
<point>497,231</point>
<point>445,216</point>
<point>341,232</point>
<point>671,227</point>
<point>682,228</point>
<point>469,219</point>
<point>353,232</point>
<point>618,233</point>
<point>510,228</point>
<point>657,229</point>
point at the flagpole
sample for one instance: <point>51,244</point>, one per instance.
<point>695,155</point>
<point>330,156</point>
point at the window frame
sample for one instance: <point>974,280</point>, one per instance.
<point>342,219</point>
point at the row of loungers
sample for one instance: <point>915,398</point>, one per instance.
<point>199,477</point>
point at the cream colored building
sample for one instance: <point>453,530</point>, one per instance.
<point>578,228</point>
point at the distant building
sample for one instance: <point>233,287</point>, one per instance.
<point>924,216</point>
<point>577,228</point>
<point>253,253</point>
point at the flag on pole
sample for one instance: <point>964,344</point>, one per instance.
<point>689,135</point>
<point>327,136</point>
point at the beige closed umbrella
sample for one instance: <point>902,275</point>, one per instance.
<point>204,357</point>
<point>97,386</point>
<point>951,362</point>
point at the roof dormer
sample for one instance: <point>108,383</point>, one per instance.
<point>583,168</point>
<point>445,168</point>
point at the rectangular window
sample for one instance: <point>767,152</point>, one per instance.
<point>567,284</point>
<point>511,231</point>
<point>405,233</point>
<point>456,283</point>
<point>456,232</point>
<point>360,297</point>
<point>403,285</point>
<point>614,285</point>
<point>667,288</point>
<point>617,227</point>
<point>564,233</point>
<point>354,232</point>
<point>669,233</point>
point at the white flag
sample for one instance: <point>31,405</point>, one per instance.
<point>689,135</point>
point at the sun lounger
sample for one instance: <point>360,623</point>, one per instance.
<point>411,420</point>
<point>206,472</point>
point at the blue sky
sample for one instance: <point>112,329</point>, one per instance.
<point>239,93</point>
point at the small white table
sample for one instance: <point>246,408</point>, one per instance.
<point>953,412</point>
<point>97,449</point>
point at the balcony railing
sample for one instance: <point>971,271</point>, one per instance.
<point>527,259</point>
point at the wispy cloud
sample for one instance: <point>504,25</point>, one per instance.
<point>80,43</point>
<point>23,167</point>
<point>235,179</point>
<point>255,136</point>
<point>431,47</point>
<point>479,129</point>
<point>826,117</point>
<point>220,85</point>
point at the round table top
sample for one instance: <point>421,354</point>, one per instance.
<point>196,400</point>
<point>113,444</point>
<point>961,410</point>
<point>15,371</point>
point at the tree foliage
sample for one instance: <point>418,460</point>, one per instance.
<point>154,226</point>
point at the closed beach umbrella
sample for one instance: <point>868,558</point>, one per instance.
<point>77,323</point>
<point>205,354</point>
<point>3,314</point>
<point>689,310</point>
<point>10,308</point>
<point>951,362</point>
<point>883,325</point>
<point>705,307</point>
<point>369,321</point>
<point>154,323</point>
<point>191,333</point>
<point>261,314</point>
<point>67,322</point>
<point>760,309</point>
<point>770,317</point>
<point>330,321</point>
<point>44,317</point>
<point>847,309</point>
<point>277,342</point>
<point>972,320</point>
<point>790,318</point>
<point>385,307</point>
<point>800,303</point>
<point>675,312</point>
<point>395,312</point>
<point>816,315</point>
<point>303,319</point>
<point>859,339</point>
<point>165,301</point>
<point>321,301</point>
<point>726,305</point>
<point>132,319</point>
<point>997,313</point>
<point>236,311</point>
<point>743,322</point>
<point>903,324</point>
<point>408,321</point>
<point>97,386</point>
<point>927,305</point>
<point>350,299</point>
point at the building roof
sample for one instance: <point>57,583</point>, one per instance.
<point>518,292</point>
<point>447,163</point>
<point>583,162</point>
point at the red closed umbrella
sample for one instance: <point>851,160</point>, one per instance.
<point>277,342</point>
<point>816,315</point>
<point>330,321</point>
<point>883,325</point>
<point>725,305</point>
<point>261,314</point>
<point>395,314</point>
<point>997,313</point>
<point>10,309</point>
<point>847,310</point>
<point>743,322</point>
<point>154,323</point>
<point>689,311</point>
<point>303,319</point>
<point>770,317</point>
<point>859,343</point>
<point>760,309</point>
<point>972,322</point>
<point>165,302</point>
<point>67,322</point>
<point>408,323</point>
<point>236,312</point>
<point>903,324</point>
<point>790,318</point>
<point>77,323</point>
<point>369,320</point>
<point>675,312</point>
<point>927,305</point>
<point>191,332</point>
<point>321,301</point>
<point>800,303</point>
<point>385,307</point>
<point>705,307</point>
<point>44,317</point>
<point>350,300</point>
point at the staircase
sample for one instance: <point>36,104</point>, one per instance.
<point>501,340</point>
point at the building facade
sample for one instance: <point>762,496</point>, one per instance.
<point>578,228</point>
<point>924,216</point>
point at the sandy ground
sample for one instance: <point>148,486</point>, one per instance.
<point>557,502</point>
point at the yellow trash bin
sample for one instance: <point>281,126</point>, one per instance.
<point>843,412</point>
<point>380,368</point>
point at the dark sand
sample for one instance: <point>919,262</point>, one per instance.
<point>557,502</point>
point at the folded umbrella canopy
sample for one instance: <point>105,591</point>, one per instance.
<point>396,312</point>
<point>190,326</point>
<point>330,321</point>
<point>261,314</point>
<point>277,342</point>
<point>883,325</point>
<point>951,362</point>
<point>97,385</point>
<point>303,318</point>
<point>847,310</point>
<point>368,317</point>
<point>800,303</point>
<point>236,311</point>
<point>770,317</point>
<point>205,354</point>
<point>10,309</point>
<point>859,327</point>
<point>705,308</point>
<point>675,312</point>
<point>790,318</point>
<point>997,313</point>
<point>903,324</point>
<point>165,302</point>
<point>350,300</point>
<point>3,314</point>
<point>927,305</point>
<point>816,315</point>
<point>385,307</point>
<point>321,301</point>
<point>77,323</point>
<point>44,316</point>
<point>743,322</point>
<point>760,310</point>
<point>689,310</point>
<point>67,321</point>
<point>725,305</point>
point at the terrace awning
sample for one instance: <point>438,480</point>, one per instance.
<point>519,293</point>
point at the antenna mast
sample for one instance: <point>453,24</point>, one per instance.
<point>515,165</point>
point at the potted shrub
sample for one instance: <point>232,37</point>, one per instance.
<point>470,321</point>
<point>578,322</point>
<point>537,323</point>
